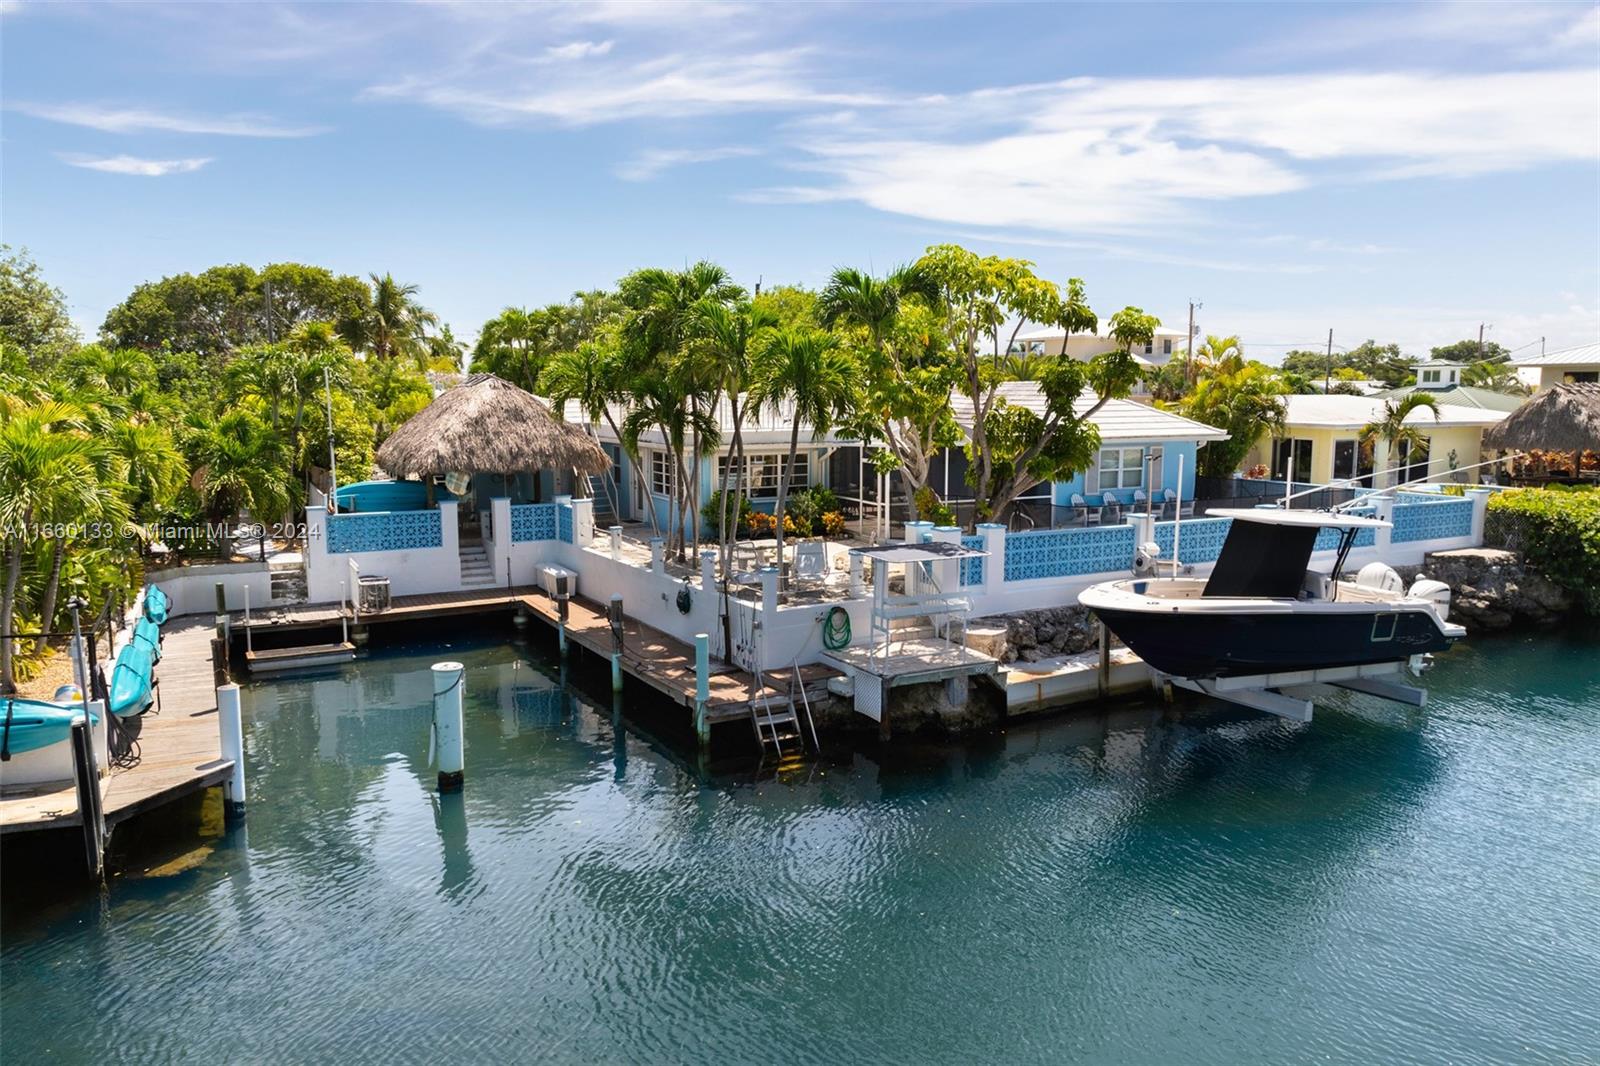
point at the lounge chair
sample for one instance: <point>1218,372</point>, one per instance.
<point>1110,510</point>
<point>1087,516</point>
<point>810,562</point>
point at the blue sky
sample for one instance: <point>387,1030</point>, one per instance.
<point>1398,172</point>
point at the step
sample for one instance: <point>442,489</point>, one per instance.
<point>781,718</point>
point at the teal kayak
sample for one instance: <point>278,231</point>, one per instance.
<point>130,682</point>
<point>156,605</point>
<point>147,635</point>
<point>28,725</point>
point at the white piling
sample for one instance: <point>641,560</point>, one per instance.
<point>702,686</point>
<point>231,724</point>
<point>617,619</point>
<point>449,680</point>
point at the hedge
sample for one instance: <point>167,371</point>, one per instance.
<point>1557,530</point>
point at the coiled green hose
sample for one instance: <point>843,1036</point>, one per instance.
<point>836,629</point>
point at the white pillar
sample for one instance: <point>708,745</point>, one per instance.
<point>583,521</point>
<point>948,574</point>
<point>858,587</point>
<point>916,533</point>
<point>1382,537</point>
<point>499,545</point>
<point>708,570</point>
<point>616,542</point>
<point>702,686</point>
<point>449,550</point>
<point>994,567</point>
<point>1480,511</point>
<point>769,589</point>
<point>657,559</point>
<point>231,724</point>
<point>449,679</point>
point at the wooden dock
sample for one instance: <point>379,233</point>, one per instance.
<point>180,749</point>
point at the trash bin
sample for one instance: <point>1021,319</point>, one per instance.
<point>374,593</point>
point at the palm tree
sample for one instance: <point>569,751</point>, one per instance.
<point>1218,353</point>
<point>592,375</point>
<point>1391,428</point>
<point>731,338</point>
<point>514,345</point>
<point>807,368</point>
<point>241,465</point>
<point>1246,402</point>
<point>395,325</point>
<point>48,475</point>
<point>1497,377</point>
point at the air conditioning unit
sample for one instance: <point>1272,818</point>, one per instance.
<point>558,582</point>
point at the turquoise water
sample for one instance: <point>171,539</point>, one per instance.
<point>1384,884</point>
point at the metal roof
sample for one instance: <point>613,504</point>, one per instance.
<point>1582,355</point>
<point>1118,420</point>
<point>1314,410</point>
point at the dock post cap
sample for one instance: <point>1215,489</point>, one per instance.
<point>446,667</point>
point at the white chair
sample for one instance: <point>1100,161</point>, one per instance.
<point>1090,516</point>
<point>1141,502</point>
<point>810,561</point>
<point>1110,510</point>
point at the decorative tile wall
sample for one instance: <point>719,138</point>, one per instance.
<point>533,521</point>
<point>972,568</point>
<point>564,522</point>
<point>1067,552</point>
<point>383,531</point>
<point>1200,541</point>
<point>1431,520</point>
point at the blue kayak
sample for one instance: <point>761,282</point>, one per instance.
<point>147,635</point>
<point>156,605</point>
<point>130,682</point>
<point>28,725</point>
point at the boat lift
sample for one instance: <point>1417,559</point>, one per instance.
<point>1292,694</point>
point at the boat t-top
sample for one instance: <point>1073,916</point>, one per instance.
<point>1262,611</point>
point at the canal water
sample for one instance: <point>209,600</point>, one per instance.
<point>1141,886</point>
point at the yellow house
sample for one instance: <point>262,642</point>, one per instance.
<point>1322,443</point>
<point>1559,368</point>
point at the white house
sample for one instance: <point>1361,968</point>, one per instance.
<point>1046,340</point>
<point>1581,363</point>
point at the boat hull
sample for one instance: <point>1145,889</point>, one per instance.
<point>1241,644</point>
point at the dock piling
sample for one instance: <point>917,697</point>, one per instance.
<point>88,782</point>
<point>1103,676</point>
<point>231,724</point>
<point>448,679</point>
<point>702,687</point>
<point>222,610</point>
<point>616,616</point>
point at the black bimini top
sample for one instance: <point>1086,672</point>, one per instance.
<point>1267,549</point>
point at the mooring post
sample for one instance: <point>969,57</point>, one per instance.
<point>616,542</point>
<point>1103,676</point>
<point>702,687</point>
<point>222,610</point>
<point>448,726</point>
<point>657,558</point>
<point>231,724</point>
<point>616,642</point>
<point>561,625</point>
<point>88,783</point>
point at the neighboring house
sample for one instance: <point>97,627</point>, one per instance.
<point>1046,340</point>
<point>1130,434</point>
<point>1557,368</point>
<point>1461,396</point>
<point>1322,442</point>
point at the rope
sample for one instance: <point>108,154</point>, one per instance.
<point>836,629</point>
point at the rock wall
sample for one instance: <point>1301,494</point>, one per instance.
<point>1492,589</point>
<point>1034,635</point>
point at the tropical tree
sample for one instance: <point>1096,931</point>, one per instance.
<point>1391,426</point>
<point>514,345</point>
<point>48,479</point>
<point>33,313</point>
<point>1218,353</point>
<point>1131,327</point>
<point>1012,448</point>
<point>394,325</point>
<point>1495,376</point>
<point>806,371</point>
<point>593,376</point>
<point>1247,402</point>
<point>240,464</point>
<point>730,338</point>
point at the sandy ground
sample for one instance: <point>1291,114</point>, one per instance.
<point>57,671</point>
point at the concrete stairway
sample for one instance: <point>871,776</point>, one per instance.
<point>476,572</point>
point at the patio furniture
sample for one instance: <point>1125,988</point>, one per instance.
<point>810,562</point>
<point>1088,516</point>
<point>1110,510</point>
<point>1141,502</point>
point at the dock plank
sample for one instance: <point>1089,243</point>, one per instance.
<point>180,748</point>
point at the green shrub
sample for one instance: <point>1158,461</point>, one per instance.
<point>1557,530</point>
<point>932,509</point>
<point>711,512</point>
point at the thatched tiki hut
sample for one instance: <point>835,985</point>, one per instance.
<point>488,426</point>
<point>1561,421</point>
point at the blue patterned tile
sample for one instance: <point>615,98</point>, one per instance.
<point>1436,519</point>
<point>533,521</point>
<point>972,568</point>
<point>564,522</point>
<point>384,531</point>
<point>1068,552</point>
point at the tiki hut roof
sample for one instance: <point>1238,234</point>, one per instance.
<point>1565,418</point>
<point>486,425</point>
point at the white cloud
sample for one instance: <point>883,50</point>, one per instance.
<point>136,120</point>
<point>1110,155</point>
<point>677,85</point>
<point>1524,30</point>
<point>652,161</point>
<point>578,49</point>
<point>128,164</point>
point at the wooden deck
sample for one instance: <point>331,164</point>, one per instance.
<point>425,605</point>
<point>180,748</point>
<point>667,664</point>
<point>916,661</point>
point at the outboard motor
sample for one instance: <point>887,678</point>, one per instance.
<point>1380,576</point>
<point>1146,558</point>
<point>1435,592</point>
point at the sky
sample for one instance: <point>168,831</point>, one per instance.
<point>1403,173</point>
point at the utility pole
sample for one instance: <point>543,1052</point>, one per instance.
<point>1327,368</point>
<point>267,288</point>
<point>1480,342</point>
<point>1188,353</point>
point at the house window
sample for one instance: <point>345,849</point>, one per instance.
<point>1121,468</point>
<point>1344,459</point>
<point>1291,460</point>
<point>1430,377</point>
<point>1166,346</point>
<point>1576,377</point>
<point>764,470</point>
<point>661,473</point>
<point>1413,461</point>
<point>1149,347</point>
